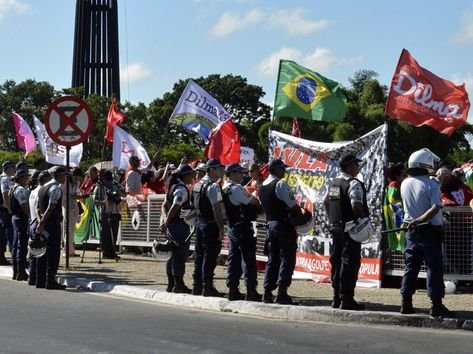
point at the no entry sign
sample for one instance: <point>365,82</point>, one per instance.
<point>68,121</point>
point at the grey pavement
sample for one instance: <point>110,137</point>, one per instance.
<point>143,277</point>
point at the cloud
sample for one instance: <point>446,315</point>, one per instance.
<point>468,81</point>
<point>466,32</point>
<point>136,72</point>
<point>231,22</point>
<point>320,60</point>
<point>7,6</point>
<point>294,23</point>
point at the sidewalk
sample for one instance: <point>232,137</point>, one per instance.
<point>143,277</point>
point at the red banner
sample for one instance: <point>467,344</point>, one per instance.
<point>419,97</point>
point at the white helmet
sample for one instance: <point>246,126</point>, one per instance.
<point>189,216</point>
<point>37,244</point>
<point>162,250</point>
<point>360,230</point>
<point>423,158</point>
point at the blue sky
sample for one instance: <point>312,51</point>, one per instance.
<point>164,41</point>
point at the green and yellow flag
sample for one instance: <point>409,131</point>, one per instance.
<point>304,94</point>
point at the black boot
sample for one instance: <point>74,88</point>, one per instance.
<point>180,287</point>
<point>406,305</point>
<point>351,304</point>
<point>252,294</point>
<point>234,294</point>
<point>439,310</point>
<point>15,272</point>
<point>22,275</point>
<point>197,289</point>
<point>283,298</point>
<point>54,285</point>
<point>268,297</point>
<point>171,283</point>
<point>210,290</point>
<point>336,302</point>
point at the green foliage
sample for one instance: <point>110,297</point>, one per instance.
<point>176,152</point>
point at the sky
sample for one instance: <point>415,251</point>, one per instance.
<point>162,42</point>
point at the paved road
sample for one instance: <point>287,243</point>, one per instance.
<point>41,321</point>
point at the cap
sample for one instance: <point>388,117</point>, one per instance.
<point>21,173</point>
<point>185,170</point>
<point>57,171</point>
<point>277,163</point>
<point>213,163</point>
<point>43,175</point>
<point>7,164</point>
<point>233,167</point>
<point>348,159</point>
<point>21,165</point>
<point>200,167</point>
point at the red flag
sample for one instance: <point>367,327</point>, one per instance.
<point>419,97</point>
<point>296,131</point>
<point>224,143</point>
<point>264,171</point>
<point>114,118</point>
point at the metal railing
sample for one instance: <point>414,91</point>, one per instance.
<point>457,247</point>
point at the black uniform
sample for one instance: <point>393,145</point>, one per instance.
<point>345,255</point>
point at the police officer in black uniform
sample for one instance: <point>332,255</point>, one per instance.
<point>210,228</point>
<point>279,204</point>
<point>241,209</point>
<point>177,230</point>
<point>50,212</point>
<point>345,201</point>
<point>19,207</point>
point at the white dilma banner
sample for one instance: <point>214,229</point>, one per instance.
<point>312,168</point>
<point>53,153</point>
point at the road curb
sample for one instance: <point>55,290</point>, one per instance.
<point>270,311</point>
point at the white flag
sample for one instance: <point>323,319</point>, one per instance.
<point>124,146</point>
<point>198,111</point>
<point>53,153</point>
<point>247,155</point>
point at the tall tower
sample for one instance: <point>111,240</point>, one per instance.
<point>95,63</point>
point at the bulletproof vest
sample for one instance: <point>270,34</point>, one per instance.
<point>169,197</point>
<point>340,209</point>
<point>201,202</point>
<point>275,208</point>
<point>43,202</point>
<point>14,204</point>
<point>235,213</point>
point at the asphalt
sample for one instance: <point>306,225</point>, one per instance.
<point>143,277</point>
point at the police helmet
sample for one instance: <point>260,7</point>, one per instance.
<point>38,243</point>
<point>360,230</point>
<point>305,229</point>
<point>162,250</point>
<point>423,158</point>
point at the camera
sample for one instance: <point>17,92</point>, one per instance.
<point>114,196</point>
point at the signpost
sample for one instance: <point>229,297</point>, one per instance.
<point>68,122</point>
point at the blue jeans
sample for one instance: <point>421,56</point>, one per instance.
<point>423,244</point>
<point>282,247</point>
<point>177,232</point>
<point>241,255</point>
<point>20,242</point>
<point>6,231</point>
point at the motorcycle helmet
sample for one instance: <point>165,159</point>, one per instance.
<point>37,244</point>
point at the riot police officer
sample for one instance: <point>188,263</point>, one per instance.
<point>6,228</point>
<point>19,207</point>
<point>210,228</point>
<point>422,213</point>
<point>345,201</point>
<point>240,209</point>
<point>279,204</point>
<point>50,210</point>
<point>177,230</point>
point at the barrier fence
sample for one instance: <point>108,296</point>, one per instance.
<point>140,227</point>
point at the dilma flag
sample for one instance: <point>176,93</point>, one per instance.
<point>305,94</point>
<point>198,111</point>
<point>24,135</point>
<point>125,146</point>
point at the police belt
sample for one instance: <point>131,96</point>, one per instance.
<point>205,221</point>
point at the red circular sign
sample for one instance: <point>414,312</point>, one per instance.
<point>68,121</point>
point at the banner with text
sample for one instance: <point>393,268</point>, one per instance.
<point>312,168</point>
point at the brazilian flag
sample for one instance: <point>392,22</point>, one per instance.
<point>302,93</point>
<point>394,217</point>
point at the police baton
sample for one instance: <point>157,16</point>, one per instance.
<point>404,228</point>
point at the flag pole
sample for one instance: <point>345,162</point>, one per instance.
<point>275,95</point>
